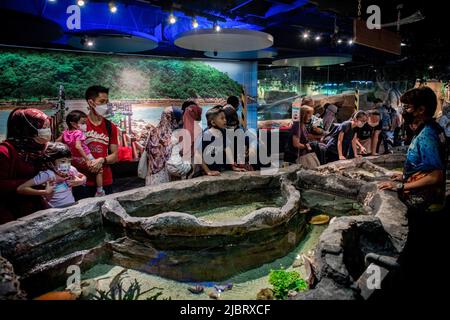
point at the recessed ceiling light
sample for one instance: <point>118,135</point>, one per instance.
<point>81,3</point>
<point>112,7</point>
<point>194,23</point>
<point>318,38</point>
<point>172,19</point>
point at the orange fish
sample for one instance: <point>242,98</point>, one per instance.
<point>60,295</point>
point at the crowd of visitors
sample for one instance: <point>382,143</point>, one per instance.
<point>37,173</point>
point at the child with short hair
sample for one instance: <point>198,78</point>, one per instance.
<point>342,139</point>
<point>57,192</point>
<point>214,144</point>
<point>74,137</point>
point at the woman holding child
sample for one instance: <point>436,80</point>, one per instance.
<point>28,133</point>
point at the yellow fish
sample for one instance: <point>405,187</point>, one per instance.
<point>320,219</point>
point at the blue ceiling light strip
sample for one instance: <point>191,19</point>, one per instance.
<point>283,8</point>
<point>241,5</point>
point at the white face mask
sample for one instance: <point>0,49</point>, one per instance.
<point>102,109</point>
<point>45,134</point>
<point>83,127</point>
<point>64,168</point>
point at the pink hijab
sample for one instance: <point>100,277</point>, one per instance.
<point>191,118</point>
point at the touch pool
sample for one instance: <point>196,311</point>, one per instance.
<point>174,236</point>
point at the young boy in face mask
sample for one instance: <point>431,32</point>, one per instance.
<point>343,137</point>
<point>216,155</point>
<point>57,192</point>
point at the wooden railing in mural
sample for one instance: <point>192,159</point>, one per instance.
<point>129,149</point>
<point>57,119</point>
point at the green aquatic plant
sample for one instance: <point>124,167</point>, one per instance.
<point>117,292</point>
<point>284,281</point>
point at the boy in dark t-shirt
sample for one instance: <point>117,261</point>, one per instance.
<point>217,155</point>
<point>342,137</point>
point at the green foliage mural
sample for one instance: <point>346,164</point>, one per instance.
<point>31,75</point>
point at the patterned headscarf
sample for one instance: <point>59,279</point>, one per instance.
<point>22,129</point>
<point>159,140</point>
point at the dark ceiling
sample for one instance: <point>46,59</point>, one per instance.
<point>37,23</point>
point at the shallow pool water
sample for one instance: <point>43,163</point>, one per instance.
<point>220,207</point>
<point>332,205</point>
<point>246,285</point>
<point>231,206</point>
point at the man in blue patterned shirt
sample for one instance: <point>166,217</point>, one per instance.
<point>422,184</point>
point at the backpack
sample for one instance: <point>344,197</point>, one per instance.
<point>334,128</point>
<point>109,130</point>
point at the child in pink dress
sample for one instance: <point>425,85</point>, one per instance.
<point>75,139</point>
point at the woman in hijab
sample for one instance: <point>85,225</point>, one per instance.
<point>159,146</point>
<point>192,118</point>
<point>28,133</point>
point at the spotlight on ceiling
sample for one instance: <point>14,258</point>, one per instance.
<point>81,3</point>
<point>430,67</point>
<point>403,44</point>
<point>318,38</point>
<point>51,0</point>
<point>217,27</point>
<point>339,41</point>
<point>112,7</point>
<point>305,35</point>
<point>194,23</point>
<point>172,19</point>
<point>350,42</point>
<point>342,64</point>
